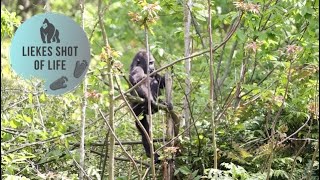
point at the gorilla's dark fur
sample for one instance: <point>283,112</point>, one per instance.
<point>138,71</point>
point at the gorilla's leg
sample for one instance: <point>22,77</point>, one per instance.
<point>144,139</point>
<point>56,35</point>
<point>43,35</point>
<point>50,35</point>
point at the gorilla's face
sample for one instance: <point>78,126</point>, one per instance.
<point>151,65</point>
<point>44,25</point>
<point>141,60</point>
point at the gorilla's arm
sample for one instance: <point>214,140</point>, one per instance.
<point>136,75</point>
<point>43,33</point>
<point>161,80</point>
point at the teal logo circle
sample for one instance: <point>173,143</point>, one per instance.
<point>51,47</point>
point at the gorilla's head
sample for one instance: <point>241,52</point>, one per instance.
<point>45,23</point>
<point>141,60</point>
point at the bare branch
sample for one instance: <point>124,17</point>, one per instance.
<point>115,136</point>
<point>287,138</point>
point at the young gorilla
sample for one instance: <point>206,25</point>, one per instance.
<point>138,71</point>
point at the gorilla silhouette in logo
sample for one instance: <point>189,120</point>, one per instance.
<point>49,32</point>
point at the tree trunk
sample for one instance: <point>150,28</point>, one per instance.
<point>187,40</point>
<point>169,163</point>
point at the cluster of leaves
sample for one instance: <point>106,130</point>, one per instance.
<point>9,21</point>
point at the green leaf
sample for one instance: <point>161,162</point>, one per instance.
<point>194,174</point>
<point>27,118</point>
<point>13,123</point>
<point>200,136</point>
<point>30,97</point>
<point>160,52</point>
<point>185,170</point>
<point>42,98</point>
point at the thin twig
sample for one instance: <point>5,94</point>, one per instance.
<point>83,110</point>
<point>116,138</point>
<point>123,159</point>
<point>287,138</point>
<point>37,143</point>
<point>190,125</point>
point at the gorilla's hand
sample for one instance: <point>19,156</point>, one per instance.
<point>161,80</point>
<point>169,106</point>
<point>80,68</point>
<point>59,83</point>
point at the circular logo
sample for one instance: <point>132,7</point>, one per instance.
<point>53,48</point>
